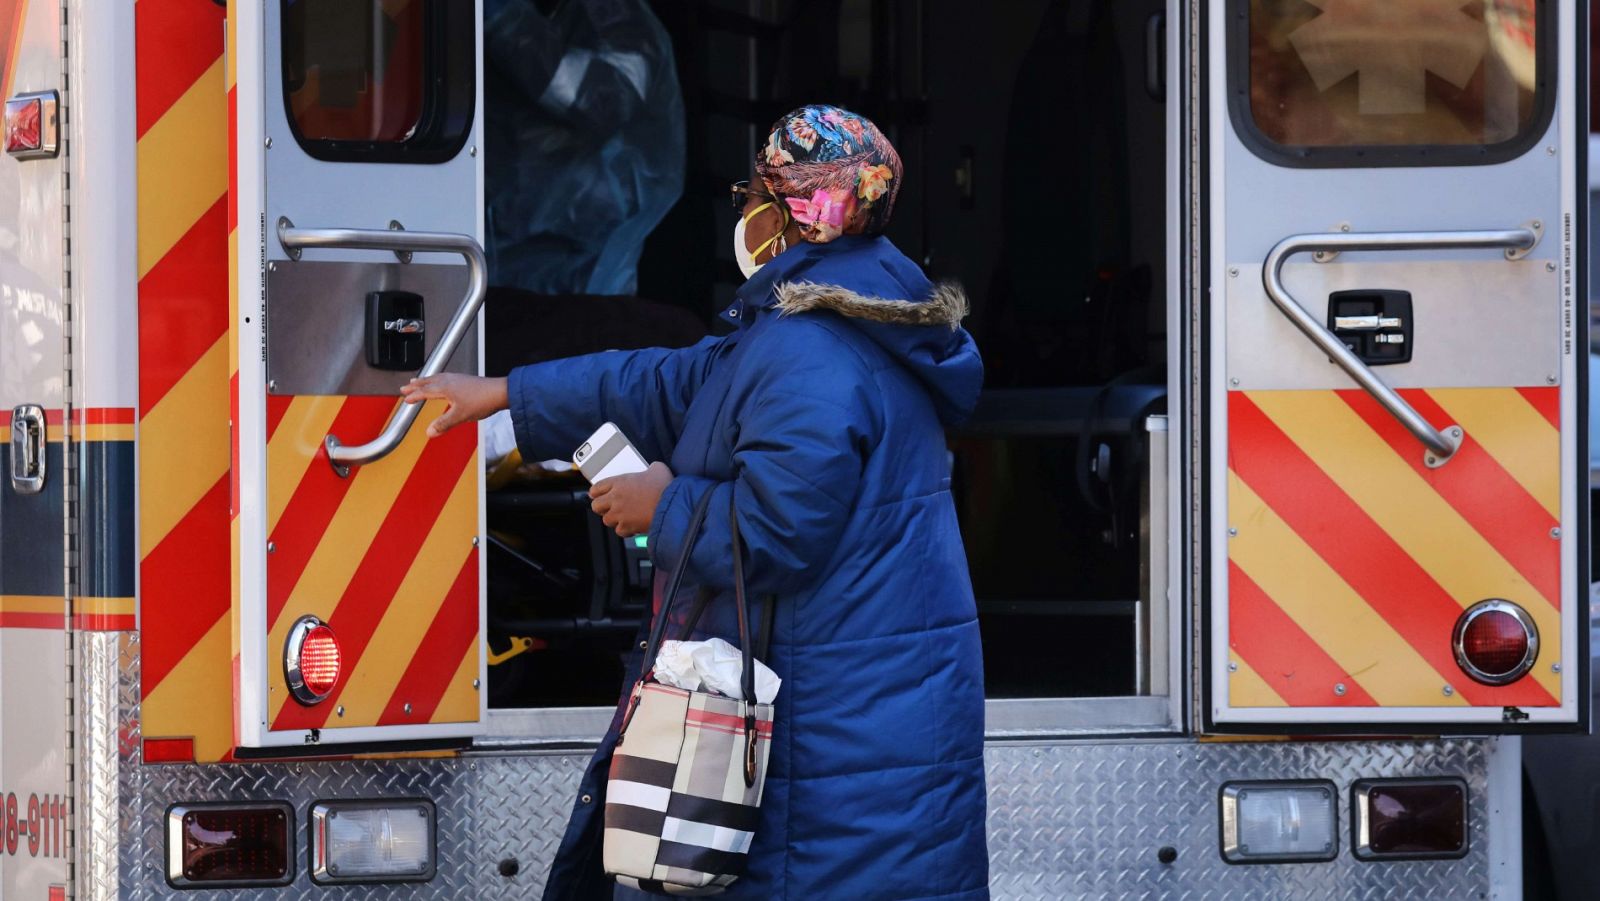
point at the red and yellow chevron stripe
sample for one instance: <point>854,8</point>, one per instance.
<point>1351,560</point>
<point>386,557</point>
<point>183,262</point>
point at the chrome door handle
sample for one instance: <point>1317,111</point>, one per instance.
<point>1441,444</point>
<point>28,442</point>
<point>294,240</point>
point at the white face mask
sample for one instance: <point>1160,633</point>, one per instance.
<point>741,252</point>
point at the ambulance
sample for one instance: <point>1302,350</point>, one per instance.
<point>1275,502</point>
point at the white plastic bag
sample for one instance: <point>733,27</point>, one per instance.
<point>712,665</point>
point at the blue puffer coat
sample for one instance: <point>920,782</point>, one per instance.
<point>822,415</point>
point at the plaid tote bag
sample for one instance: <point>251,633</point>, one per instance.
<point>684,791</point>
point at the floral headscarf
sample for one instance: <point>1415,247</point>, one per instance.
<point>836,171</point>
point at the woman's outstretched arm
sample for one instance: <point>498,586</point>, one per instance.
<point>555,405</point>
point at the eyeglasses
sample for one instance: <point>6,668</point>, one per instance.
<point>740,191</point>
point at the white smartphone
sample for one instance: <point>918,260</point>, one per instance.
<point>607,454</point>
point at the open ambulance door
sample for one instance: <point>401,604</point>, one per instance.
<point>1394,381</point>
<point>357,197</point>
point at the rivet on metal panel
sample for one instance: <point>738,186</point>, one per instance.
<point>589,799</point>
<point>272,266</point>
<point>340,710</point>
<point>272,547</point>
<point>1339,689</point>
<point>1233,271</point>
<point>1455,432</point>
<point>1344,226</point>
<point>1550,151</point>
<point>407,708</point>
<point>473,150</point>
<point>1233,667</point>
<point>1550,266</point>
<point>1448,691</point>
<point>1233,382</point>
<point>1555,532</point>
<point>474,541</point>
<point>1555,667</point>
<point>475,684</point>
<point>1232,532</point>
<point>1550,379</point>
<point>268,142</point>
<point>272,386</point>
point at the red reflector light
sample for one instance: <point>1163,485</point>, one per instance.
<point>1495,642</point>
<point>229,844</point>
<point>1410,818</point>
<point>169,750</point>
<point>30,124</point>
<point>22,125</point>
<point>312,661</point>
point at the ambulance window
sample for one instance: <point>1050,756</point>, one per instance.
<point>1380,82</point>
<point>377,81</point>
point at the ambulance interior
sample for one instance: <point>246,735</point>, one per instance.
<point>1034,137</point>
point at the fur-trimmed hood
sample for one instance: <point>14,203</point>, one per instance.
<point>885,296</point>
<point>946,305</point>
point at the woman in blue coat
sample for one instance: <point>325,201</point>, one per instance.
<point>822,417</point>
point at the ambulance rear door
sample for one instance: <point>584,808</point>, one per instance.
<point>356,216</point>
<point>1394,370</point>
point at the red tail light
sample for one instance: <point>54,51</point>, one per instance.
<point>235,844</point>
<point>1496,642</point>
<point>1397,819</point>
<point>311,660</point>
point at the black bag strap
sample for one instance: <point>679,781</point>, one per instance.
<point>769,617</point>
<point>748,682</point>
<point>746,650</point>
<point>659,628</point>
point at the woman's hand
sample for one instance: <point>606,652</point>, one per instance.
<point>628,503</point>
<point>470,398</point>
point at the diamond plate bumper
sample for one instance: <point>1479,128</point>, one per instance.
<point>1083,819</point>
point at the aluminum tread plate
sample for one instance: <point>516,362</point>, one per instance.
<point>1079,820</point>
